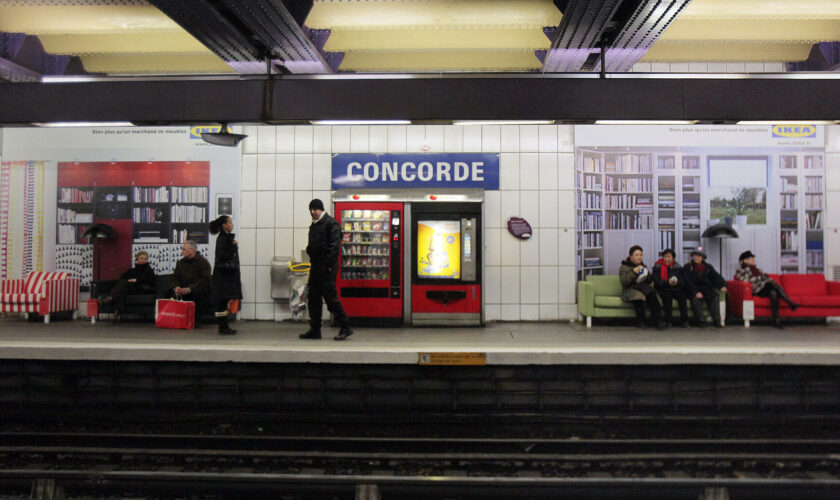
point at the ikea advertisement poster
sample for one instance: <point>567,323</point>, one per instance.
<point>439,249</point>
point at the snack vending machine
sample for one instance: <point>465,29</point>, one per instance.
<point>370,274</point>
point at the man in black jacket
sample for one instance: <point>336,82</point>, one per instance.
<point>703,283</point>
<point>324,240</point>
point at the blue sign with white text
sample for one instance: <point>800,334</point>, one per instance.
<point>429,170</point>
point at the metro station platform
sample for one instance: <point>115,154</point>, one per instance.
<point>496,344</point>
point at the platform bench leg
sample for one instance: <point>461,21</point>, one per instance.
<point>589,322</point>
<point>46,319</point>
<point>746,323</point>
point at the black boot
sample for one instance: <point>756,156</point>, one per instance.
<point>784,296</point>
<point>224,328</point>
<point>778,324</point>
<point>345,332</point>
<point>314,332</point>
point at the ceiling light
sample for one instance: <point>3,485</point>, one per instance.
<point>360,122</point>
<point>223,137</point>
<point>84,124</point>
<point>503,122</point>
<point>787,122</point>
<point>645,122</point>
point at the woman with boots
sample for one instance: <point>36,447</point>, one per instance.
<point>636,280</point>
<point>139,279</point>
<point>702,282</point>
<point>226,281</point>
<point>763,285</point>
<point>669,282</point>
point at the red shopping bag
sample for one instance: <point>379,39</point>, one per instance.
<point>178,314</point>
<point>233,306</point>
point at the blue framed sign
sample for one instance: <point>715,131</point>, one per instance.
<point>422,170</point>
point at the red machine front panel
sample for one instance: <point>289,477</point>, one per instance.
<point>370,259</point>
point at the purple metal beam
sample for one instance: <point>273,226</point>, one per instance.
<point>23,58</point>
<point>824,56</point>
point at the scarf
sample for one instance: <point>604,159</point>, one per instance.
<point>754,270</point>
<point>700,267</point>
<point>663,270</point>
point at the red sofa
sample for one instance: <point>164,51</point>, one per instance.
<point>816,296</point>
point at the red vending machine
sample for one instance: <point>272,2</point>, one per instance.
<point>370,276</point>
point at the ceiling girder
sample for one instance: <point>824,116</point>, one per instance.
<point>630,26</point>
<point>244,33</point>
<point>23,59</point>
<point>640,32</point>
<point>578,34</point>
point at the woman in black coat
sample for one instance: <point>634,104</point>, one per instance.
<point>227,284</point>
<point>703,282</point>
<point>669,282</point>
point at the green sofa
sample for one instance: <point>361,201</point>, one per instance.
<point>600,297</point>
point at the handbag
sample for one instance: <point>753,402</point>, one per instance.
<point>233,306</point>
<point>175,313</point>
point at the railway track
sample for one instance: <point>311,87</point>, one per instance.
<point>458,468</point>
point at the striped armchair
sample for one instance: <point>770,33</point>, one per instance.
<point>40,292</point>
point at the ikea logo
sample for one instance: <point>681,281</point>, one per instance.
<point>197,130</point>
<point>794,131</point>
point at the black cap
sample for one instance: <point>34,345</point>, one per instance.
<point>745,255</point>
<point>316,204</point>
<point>699,251</point>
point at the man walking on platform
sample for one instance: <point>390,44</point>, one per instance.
<point>324,240</point>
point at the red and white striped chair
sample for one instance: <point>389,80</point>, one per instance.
<point>40,292</point>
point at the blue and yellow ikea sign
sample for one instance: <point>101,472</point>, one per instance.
<point>197,130</point>
<point>794,131</point>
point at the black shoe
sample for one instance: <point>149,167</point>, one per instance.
<point>224,328</point>
<point>794,306</point>
<point>345,332</point>
<point>718,324</point>
<point>668,324</point>
<point>661,326</point>
<point>778,324</point>
<point>683,324</point>
<point>312,333</point>
<point>641,324</point>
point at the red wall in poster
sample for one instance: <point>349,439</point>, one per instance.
<point>152,173</point>
<point>191,173</point>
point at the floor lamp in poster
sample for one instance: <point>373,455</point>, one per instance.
<point>719,232</point>
<point>96,234</point>
<point>224,204</point>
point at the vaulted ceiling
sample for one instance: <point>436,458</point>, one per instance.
<point>202,37</point>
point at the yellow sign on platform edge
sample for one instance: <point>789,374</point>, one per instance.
<point>452,358</point>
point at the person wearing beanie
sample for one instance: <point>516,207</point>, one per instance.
<point>763,285</point>
<point>702,283</point>
<point>324,241</point>
<point>636,281</point>
<point>669,283</point>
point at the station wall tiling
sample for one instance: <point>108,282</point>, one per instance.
<point>283,167</point>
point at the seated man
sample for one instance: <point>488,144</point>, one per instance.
<point>137,280</point>
<point>191,279</point>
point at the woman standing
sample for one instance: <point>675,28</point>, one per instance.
<point>636,280</point>
<point>763,285</point>
<point>227,285</point>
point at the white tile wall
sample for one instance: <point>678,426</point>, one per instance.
<point>284,167</point>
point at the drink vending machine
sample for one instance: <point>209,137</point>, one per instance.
<point>411,256</point>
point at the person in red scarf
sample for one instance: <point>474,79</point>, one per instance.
<point>669,282</point>
<point>702,282</point>
<point>763,285</point>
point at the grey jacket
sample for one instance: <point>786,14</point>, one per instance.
<point>633,288</point>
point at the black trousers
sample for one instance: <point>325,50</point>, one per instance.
<point>123,288</point>
<point>221,308</point>
<point>710,297</point>
<point>668,297</point>
<point>775,291</point>
<point>322,289</point>
<point>652,302</point>
<point>202,302</point>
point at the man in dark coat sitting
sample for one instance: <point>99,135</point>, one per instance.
<point>191,279</point>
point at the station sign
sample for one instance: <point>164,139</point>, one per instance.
<point>431,170</point>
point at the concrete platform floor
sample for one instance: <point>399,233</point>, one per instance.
<point>500,343</point>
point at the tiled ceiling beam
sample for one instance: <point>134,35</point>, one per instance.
<point>23,59</point>
<point>578,35</point>
<point>644,26</point>
<point>244,33</point>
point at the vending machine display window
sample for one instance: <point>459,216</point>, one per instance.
<point>365,244</point>
<point>439,249</point>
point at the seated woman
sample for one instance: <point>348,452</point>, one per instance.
<point>702,281</point>
<point>137,280</point>
<point>669,283</point>
<point>763,285</point>
<point>636,280</point>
